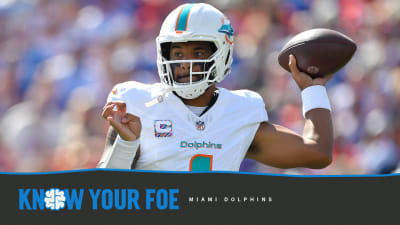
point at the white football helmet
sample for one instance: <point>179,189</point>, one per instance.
<point>195,22</point>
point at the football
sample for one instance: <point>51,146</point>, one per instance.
<point>318,52</point>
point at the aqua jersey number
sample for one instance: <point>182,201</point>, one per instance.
<point>201,163</point>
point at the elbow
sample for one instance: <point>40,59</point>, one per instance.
<point>321,160</point>
<point>321,163</point>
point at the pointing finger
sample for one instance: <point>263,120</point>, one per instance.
<point>117,103</point>
<point>107,110</point>
<point>108,103</point>
<point>121,106</point>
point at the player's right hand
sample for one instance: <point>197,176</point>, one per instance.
<point>302,79</point>
<point>127,125</point>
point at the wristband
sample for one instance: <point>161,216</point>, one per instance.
<point>314,97</point>
<point>121,155</point>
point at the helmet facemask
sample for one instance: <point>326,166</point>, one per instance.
<point>201,73</point>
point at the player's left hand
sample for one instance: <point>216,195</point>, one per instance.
<point>127,125</point>
<point>302,79</point>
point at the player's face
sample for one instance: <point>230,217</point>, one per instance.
<point>189,51</point>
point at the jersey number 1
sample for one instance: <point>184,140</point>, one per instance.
<point>201,163</point>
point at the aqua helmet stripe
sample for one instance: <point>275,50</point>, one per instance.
<point>183,17</point>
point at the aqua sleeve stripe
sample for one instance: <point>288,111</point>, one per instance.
<point>183,17</point>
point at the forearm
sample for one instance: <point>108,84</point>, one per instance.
<point>118,154</point>
<point>318,131</point>
<point>111,136</point>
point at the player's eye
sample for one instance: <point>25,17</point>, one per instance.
<point>178,54</point>
<point>199,54</point>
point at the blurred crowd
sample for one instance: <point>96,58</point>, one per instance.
<point>60,59</point>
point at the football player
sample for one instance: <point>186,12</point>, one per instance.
<point>186,123</point>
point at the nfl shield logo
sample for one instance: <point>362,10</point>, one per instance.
<point>200,125</point>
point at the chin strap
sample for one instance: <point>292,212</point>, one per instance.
<point>160,98</point>
<point>212,101</point>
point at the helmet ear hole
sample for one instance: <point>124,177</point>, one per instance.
<point>227,57</point>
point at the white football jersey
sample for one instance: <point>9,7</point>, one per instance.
<point>173,138</point>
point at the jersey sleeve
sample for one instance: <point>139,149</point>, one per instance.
<point>257,112</point>
<point>117,94</point>
<point>134,94</point>
<point>252,106</point>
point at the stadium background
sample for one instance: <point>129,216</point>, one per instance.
<point>59,60</point>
